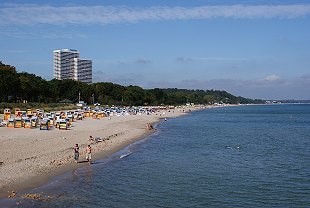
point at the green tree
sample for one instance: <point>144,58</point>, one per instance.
<point>86,92</point>
<point>33,88</point>
<point>99,91</point>
<point>134,95</point>
<point>15,87</point>
<point>68,90</point>
<point>209,99</point>
<point>53,90</point>
<point>9,83</point>
<point>159,95</point>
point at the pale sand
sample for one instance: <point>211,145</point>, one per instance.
<point>31,156</point>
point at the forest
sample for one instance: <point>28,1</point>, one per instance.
<point>20,87</point>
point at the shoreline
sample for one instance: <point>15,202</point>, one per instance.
<point>32,157</point>
<point>37,181</point>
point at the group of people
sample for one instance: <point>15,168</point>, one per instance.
<point>77,153</point>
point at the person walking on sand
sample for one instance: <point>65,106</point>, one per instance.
<point>76,153</point>
<point>88,153</point>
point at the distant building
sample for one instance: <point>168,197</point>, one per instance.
<point>68,65</point>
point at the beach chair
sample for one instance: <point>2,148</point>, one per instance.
<point>44,124</point>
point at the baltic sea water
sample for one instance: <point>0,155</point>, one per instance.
<point>245,156</point>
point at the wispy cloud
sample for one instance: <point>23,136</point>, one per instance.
<point>72,35</point>
<point>184,59</point>
<point>142,61</point>
<point>304,79</point>
<point>47,34</point>
<point>123,78</point>
<point>81,15</point>
<point>191,59</point>
<point>271,79</point>
<point>14,51</point>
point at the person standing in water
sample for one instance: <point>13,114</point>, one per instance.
<point>76,153</point>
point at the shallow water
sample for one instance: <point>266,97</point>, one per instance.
<point>246,156</point>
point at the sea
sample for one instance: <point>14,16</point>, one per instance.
<point>244,156</point>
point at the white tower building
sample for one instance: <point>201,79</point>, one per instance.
<point>68,65</point>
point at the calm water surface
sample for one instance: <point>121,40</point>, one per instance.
<point>247,156</point>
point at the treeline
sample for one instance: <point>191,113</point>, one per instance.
<point>18,87</point>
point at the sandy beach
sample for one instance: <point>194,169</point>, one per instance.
<point>29,157</point>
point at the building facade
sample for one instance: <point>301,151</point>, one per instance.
<point>84,70</point>
<point>68,65</point>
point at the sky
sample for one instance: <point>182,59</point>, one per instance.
<point>254,49</point>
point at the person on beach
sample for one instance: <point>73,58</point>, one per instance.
<point>88,153</point>
<point>149,126</point>
<point>76,153</point>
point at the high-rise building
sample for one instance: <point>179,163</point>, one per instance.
<point>68,65</point>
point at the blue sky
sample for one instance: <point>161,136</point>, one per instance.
<point>254,49</point>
